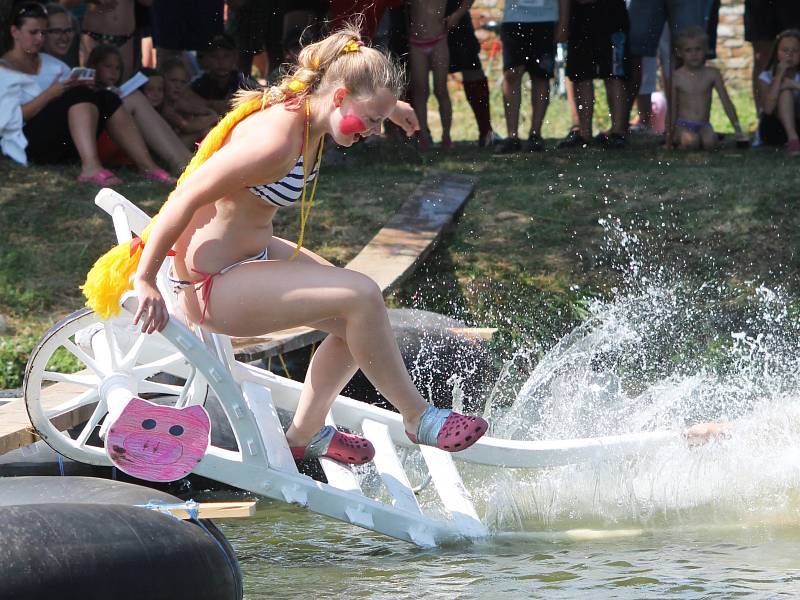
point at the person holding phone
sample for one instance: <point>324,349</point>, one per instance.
<point>62,114</point>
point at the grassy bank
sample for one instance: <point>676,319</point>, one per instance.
<point>525,256</point>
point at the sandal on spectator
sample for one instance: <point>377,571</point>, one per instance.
<point>448,430</point>
<point>159,175</point>
<point>342,447</point>
<point>793,147</point>
<point>103,178</point>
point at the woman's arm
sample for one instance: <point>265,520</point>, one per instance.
<point>769,92</point>
<point>249,158</point>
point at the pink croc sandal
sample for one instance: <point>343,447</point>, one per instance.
<point>448,430</point>
<point>342,447</point>
<point>103,178</point>
<point>159,176</point>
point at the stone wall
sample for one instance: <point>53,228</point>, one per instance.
<point>734,55</point>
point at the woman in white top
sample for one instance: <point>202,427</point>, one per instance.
<point>779,90</point>
<point>63,115</point>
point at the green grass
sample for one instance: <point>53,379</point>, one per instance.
<point>525,256</point>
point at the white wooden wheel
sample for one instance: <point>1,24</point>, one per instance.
<point>66,409</point>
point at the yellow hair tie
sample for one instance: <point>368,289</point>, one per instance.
<point>352,46</point>
<point>296,85</point>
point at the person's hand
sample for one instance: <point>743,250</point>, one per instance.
<point>561,32</point>
<point>152,309</point>
<point>404,116</point>
<point>780,70</point>
<point>790,84</point>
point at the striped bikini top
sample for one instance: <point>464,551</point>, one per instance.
<point>288,190</point>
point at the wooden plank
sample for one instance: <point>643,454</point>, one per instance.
<point>16,430</point>
<point>389,258</point>
<point>210,510</point>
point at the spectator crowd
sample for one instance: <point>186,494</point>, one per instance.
<point>138,83</point>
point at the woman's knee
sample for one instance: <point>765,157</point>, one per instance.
<point>365,294</point>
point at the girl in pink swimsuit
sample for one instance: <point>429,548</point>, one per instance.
<point>220,215</point>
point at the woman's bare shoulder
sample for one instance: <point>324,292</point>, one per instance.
<point>272,134</point>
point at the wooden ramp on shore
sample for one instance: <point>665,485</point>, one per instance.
<point>389,258</point>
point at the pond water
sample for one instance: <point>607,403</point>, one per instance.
<point>716,520</point>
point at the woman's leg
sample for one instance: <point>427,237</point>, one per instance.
<point>82,119</point>
<point>331,367</point>
<point>260,297</point>
<point>440,63</point>
<point>617,103</point>
<point>157,133</point>
<point>786,113</point>
<point>512,84</point>
<point>584,100</point>
<point>540,99</point>
<point>124,132</point>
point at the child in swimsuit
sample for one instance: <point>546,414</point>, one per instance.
<point>428,52</point>
<point>691,87</point>
<point>264,155</point>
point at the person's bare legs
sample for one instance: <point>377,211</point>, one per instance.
<point>512,85</point>
<point>584,100</point>
<point>347,304</point>
<point>440,64</point>
<point>708,138</point>
<point>419,66</point>
<point>634,83</point>
<point>686,139</point>
<point>786,114</point>
<point>617,104</point>
<point>540,99</point>
<point>124,132</point>
<point>157,133</point>
<point>82,119</point>
<point>573,107</point>
<point>761,52</point>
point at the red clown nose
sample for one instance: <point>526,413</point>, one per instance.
<point>351,124</point>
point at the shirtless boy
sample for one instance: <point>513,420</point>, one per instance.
<point>691,89</point>
<point>110,22</point>
<point>428,52</point>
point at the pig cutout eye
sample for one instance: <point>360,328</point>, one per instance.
<point>148,424</point>
<point>176,430</point>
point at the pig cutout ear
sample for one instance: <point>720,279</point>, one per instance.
<point>199,413</point>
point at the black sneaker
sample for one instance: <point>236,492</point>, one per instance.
<point>614,141</point>
<point>574,140</point>
<point>509,146</point>
<point>535,143</point>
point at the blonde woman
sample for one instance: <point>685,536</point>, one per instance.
<point>235,277</point>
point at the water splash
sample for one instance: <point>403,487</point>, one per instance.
<point>670,348</point>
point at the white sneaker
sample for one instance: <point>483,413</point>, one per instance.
<point>490,140</point>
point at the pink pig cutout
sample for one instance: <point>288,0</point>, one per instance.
<point>158,443</point>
